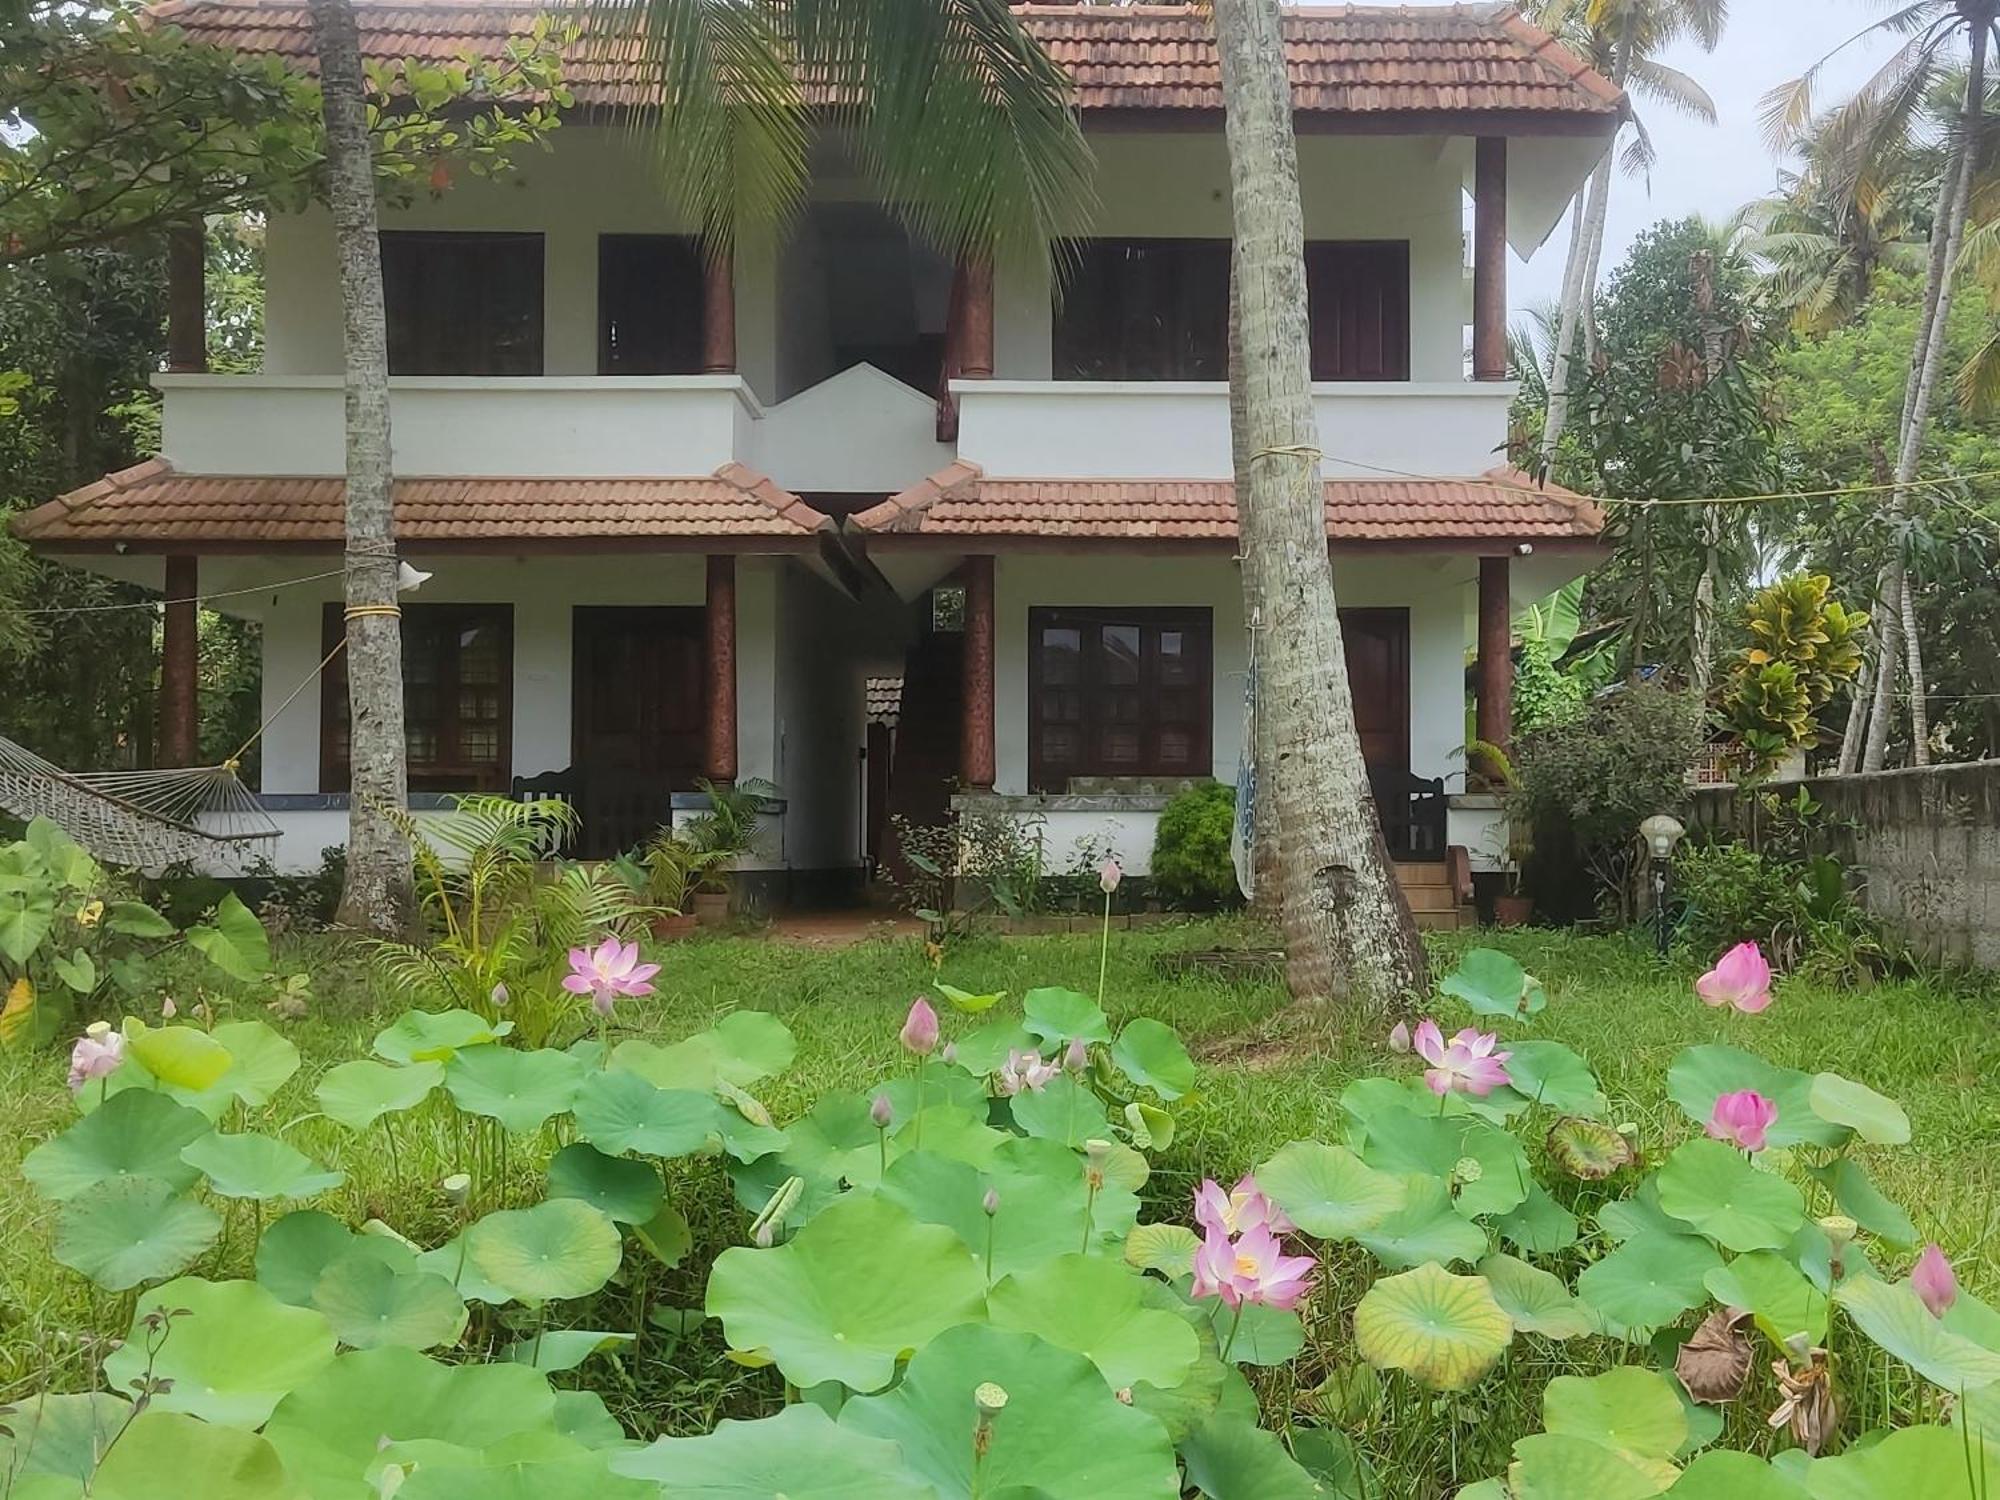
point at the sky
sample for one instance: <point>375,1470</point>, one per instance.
<point>1715,169</point>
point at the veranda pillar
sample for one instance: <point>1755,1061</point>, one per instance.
<point>1494,713</point>
<point>187,301</point>
<point>1489,259</point>
<point>179,665</point>
<point>976,763</point>
<point>719,758</point>
<point>718,314</point>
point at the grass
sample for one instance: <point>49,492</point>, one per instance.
<point>1272,1075</point>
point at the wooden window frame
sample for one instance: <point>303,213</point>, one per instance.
<point>609,245</point>
<point>1197,622</point>
<point>487,238</point>
<point>448,773</point>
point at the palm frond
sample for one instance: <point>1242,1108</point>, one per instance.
<point>1639,156</point>
<point>1785,112</point>
<point>1672,87</point>
<point>1979,378</point>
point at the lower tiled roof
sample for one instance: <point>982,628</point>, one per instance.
<point>150,506</point>
<point>960,501</point>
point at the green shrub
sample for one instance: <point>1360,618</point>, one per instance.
<point>1191,863</point>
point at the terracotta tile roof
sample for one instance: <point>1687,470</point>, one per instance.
<point>150,505</point>
<point>1345,59</point>
<point>959,501</point>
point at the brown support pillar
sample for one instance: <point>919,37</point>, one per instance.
<point>179,737</point>
<point>718,314</point>
<point>975,344</point>
<point>975,744</point>
<point>1494,716</point>
<point>720,756</point>
<point>1489,260</point>
<point>187,301</point>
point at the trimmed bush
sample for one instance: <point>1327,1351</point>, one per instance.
<point>1191,863</point>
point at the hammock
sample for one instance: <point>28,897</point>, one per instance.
<point>145,819</point>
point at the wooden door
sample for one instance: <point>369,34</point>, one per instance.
<point>638,723</point>
<point>1378,672</point>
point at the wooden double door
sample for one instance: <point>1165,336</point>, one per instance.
<point>638,720</point>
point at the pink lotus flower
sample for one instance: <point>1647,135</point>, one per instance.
<point>1240,1210</point>
<point>1467,1064</point>
<point>97,1052</point>
<point>1934,1281</point>
<point>1108,875</point>
<point>608,973</point>
<point>1399,1037</point>
<point>1252,1268</point>
<point>1742,1119</point>
<point>920,1028</point>
<point>1025,1071</point>
<point>1741,978</point>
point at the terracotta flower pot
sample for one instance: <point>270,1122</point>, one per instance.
<point>671,928</point>
<point>711,908</point>
<point>1513,911</point>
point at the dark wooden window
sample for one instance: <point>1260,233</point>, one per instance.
<point>461,303</point>
<point>649,305</point>
<point>1158,309</point>
<point>458,698</point>
<point>1117,692</point>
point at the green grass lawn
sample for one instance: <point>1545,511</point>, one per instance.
<point>1271,1074</point>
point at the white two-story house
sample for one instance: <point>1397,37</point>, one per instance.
<point>679,513</point>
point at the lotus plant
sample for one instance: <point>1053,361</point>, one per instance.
<point>608,973</point>
<point>1934,1281</point>
<point>1108,875</point>
<point>919,1037</point>
<point>96,1055</point>
<point>1240,1210</point>
<point>1467,1064</point>
<point>1740,978</point>
<point>1743,1119</point>
<point>1240,1260</point>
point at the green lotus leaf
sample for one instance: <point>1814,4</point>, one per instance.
<point>121,1234</point>
<point>371,1304</point>
<point>60,1435</point>
<point>1876,1118</point>
<point>1328,1191</point>
<point>1426,1228</point>
<point>165,1455</point>
<point>1186,1406</point>
<point>1709,1185</point>
<point>1166,1248</point>
<point>1701,1075</point>
<point>1493,983</point>
<point>1151,1054</point>
<point>620,1112</point>
<point>616,1186</point>
<point>1444,1330</point>
<point>1409,1144</point>
<point>1855,1191</point>
<point>1062,1433</point>
<point>359,1093</point>
<point>1648,1282</point>
<point>984,1050</point>
<point>965,1000</point>
<point>1540,1226</point>
<point>943,1088</point>
<point>1893,1317</point>
<point>1333,1458</point>
<point>1231,1458</point>
<point>665,1235</point>
<point>436,1035</point>
<point>1936,1463</point>
<point>835,1142</point>
<point>453,1261</point>
<point>558,1249</point>
<point>1727,1475</point>
<point>1262,1336</point>
<point>260,1061</point>
<point>257,1166</point>
<point>182,1057</point>
<point>1589,1150</point>
<point>562,1349</point>
<point>1366,1100</point>
<point>1774,1292</point>
<point>1629,1408</point>
<point>1150,1127</point>
<point>135,1134</point>
<point>1639,1214</point>
<point>522,1090</point>
<point>232,1351</point>
<point>1812,1252</point>
<point>1535,1301</point>
<point>586,1476</point>
<point>296,1250</point>
<point>1557,1466</point>
<point>745,1047</point>
<point>1058,1016</point>
<point>1043,1200</point>
<point>799,1454</point>
<point>1094,1307</point>
<point>863,1283</point>
<point>1554,1077</point>
<point>1062,1110</point>
<point>582,1417</point>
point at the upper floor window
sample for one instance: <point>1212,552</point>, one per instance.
<point>1158,309</point>
<point>458,698</point>
<point>649,305</point>
<point>1117,692</point>
<point>462,303</point>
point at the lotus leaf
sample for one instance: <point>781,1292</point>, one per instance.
<point>1262,1336</point>
<point>1328,1191</point>
<point>1648,1281</point>
<point>1230,1458</point>
<point>1700,1075</point>
<point>1166,1248</point>
<point>296,1250</point>
<point>1893,1317</point>
<point>522,1090</point>
<point>61,1435</point>
<point>1876,1118</point>
<point>1774,1292</point>
<point>135,1134</point>
<point>1557,1466</point>
<point>1445,1330</point>
<point>1629,1408</point>
<point>665,1235</point>
<point>862,1283</point>
<point>257,1166</point>
<point>1151,1054</point>
<point>619,1112</point>
<point>162,1451</point>
<point>232,1354</point>
<point>436,1035</point>
<point>1588,1150</point>
<point>181,1057</point>
<point>1042,1201</point>
<point>1425,1228</point>
<point>359,1093</point>
<point>1936,1463</point>
<point>1727,1475</point>
<point>559,1248</point>
<point>1534,1300</point>
<point>1709,1185</point>
<point>799,1454</point>
<point>1094,1307</point>
<point>1540,1226</point>
<point>984,1050</point>
<point>586,1476</point>
<point>1863,1202</point>
<point>1409,1144</point>
<point>744,1048</point>
<point>1062,1110</point>
<point>371,1304</point>
<point>1062,1432</point>
<point>122,1234</point>
<point>616,1186</point>
<point>1494,984</point>
<point>1058,1016</point>
<point>562,1349</point>
<point>1551,1075</point>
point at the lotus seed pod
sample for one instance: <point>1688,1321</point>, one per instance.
<point>457,1189</point>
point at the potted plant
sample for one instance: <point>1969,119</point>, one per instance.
<point>1512,907</point>
<point>720,836</point>
<point>670,871</point>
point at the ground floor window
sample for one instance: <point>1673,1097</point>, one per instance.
<point>458,698</point>
<point>1117,692</point>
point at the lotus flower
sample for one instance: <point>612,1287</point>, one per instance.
<point>1741,978</point>
<point>1399,1037</point>
<point>1240,1210</point>
<point>97,1052</point>
<point>1108,875</point>
<point>1026,1071</point>
<point>1467,1064</point>
<point>608,973</point>
<point>1252,1268</point>
<point>1742,1119</point>
<point>920,1028</point>
<point>1076,1056</point>
<point>1934,1281</point>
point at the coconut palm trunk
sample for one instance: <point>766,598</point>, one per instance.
<point>1267,897</point>
<point>378,896</point>
<point>1348,929</point>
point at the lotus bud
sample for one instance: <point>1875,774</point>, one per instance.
<point>168,1010</point>
<point>1108,875</point>
<point>1934,1281</point>
<point>763,1235</point>
<point>457,1189</point>
<point>990,1204</point>
<point>776,1210</point>
<point>500,998</point>
<point>920,1028</point>
<point>1399,1037</point>
<point>949,1054</point>
<point>1077,1055</point>
<point>880,1112</point>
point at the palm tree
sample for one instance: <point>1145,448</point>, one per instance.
<point>1348,929</point>
<point>1623,39</point>
<point>1855,134</point>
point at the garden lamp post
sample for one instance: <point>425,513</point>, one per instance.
<point>1661,832</point>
